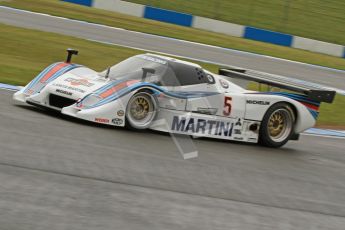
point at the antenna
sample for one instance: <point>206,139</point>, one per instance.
<point>71,52</point>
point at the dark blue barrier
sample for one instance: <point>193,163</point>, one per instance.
<point>344,53</point>
<point>168,16</point>
<point>268,36</point>
<point>80,2</point>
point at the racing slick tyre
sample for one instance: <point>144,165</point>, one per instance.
<point>141,110</point>
<point>277,126</point>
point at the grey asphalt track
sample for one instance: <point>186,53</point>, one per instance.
<point>171,46</point>
<point>61,173</point>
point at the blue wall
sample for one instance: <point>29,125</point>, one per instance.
<point>268,36</point>
<point>168,16</point>
<point>81,2</point>
<point>182,19</point>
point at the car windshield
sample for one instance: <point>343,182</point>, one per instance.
<point>133,67</point>
<point>155,70</point>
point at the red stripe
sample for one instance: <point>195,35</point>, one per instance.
<point>53,71</point>
<point>313,107</point>
<point>117,88</point>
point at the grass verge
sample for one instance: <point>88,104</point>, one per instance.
<point>56,7</point>
<point>24,53</point>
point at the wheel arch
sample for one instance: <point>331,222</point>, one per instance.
<point>304,119</point>
<point>284,134</point>
<point>130,122</point>
<point>147,90</point>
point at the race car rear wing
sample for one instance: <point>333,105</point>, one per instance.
<point>312,91</point>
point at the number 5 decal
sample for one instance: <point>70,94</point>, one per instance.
<point>227,106</point>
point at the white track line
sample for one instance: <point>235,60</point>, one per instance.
<point>317,135</point>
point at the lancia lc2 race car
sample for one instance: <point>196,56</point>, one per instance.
<point>149,91</point>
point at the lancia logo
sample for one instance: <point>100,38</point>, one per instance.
<point>77,82</point>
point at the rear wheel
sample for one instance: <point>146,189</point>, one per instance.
<point>141,110</point>
<point>277,126</point>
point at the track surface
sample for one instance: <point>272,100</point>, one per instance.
<point>42,22</point>
<point>60,173</point>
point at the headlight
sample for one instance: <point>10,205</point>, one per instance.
<point>89,100</point>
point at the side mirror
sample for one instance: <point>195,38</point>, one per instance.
<point>71,52</point>
<point>146,71</point>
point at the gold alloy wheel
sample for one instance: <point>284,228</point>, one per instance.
<point>140,108</point>
<point>276,124</point>
<point>280,124</point>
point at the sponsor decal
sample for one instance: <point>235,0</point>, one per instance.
<point>224,83</point>
<point>120,113</point>
<point>63,92</point>
<point>252,139</point>
<point>238,138</point>
<point>117,121</point>
<point>210,111</point>
<point>237,131</point>
<point>153,59</point>
<point>238,123</point>
<point>78,82</point>
<point>102,120</point>
<point>254,102</point>
<point>69,88</point>
<point>202,126</point>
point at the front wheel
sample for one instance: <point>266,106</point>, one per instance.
<point>277,125</point>
<point>141,110</point>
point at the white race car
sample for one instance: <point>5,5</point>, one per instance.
<point>149,91</point>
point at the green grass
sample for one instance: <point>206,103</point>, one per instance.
<point>24,53</point>
<point>317,19</point>
<point>333,114</point>
<point>64,9</point>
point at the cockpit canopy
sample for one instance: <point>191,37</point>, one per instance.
<point>158,70</point>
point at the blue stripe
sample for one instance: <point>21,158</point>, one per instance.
<point>102,90</point>
<point>107,86</point>
<point>314,113</point>
<point>299,98</point>
<point>39,76</point>
<point>268,36</point>
<point>80,2</point>
<point>168,16</point>
<point>304,99</point>
<point>53,77</point>
<point>125,91</point>
<point>62,71</point>
<point>296,97</point>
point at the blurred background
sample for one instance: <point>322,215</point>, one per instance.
<point>318,19</point>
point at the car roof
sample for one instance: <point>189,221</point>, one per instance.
<point>171,60</point>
